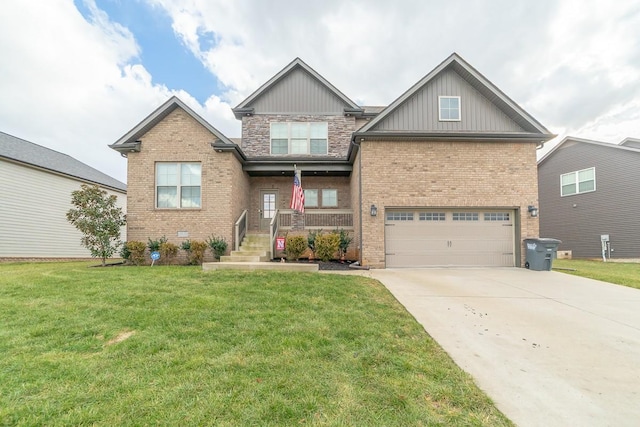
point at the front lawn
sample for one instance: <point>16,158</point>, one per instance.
<point>627,274</point>
<point>176,346</point>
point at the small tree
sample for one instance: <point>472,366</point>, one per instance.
<point>97,217</point>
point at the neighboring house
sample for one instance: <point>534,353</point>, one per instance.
<point>36,187</point>
<point>589,189</point>
<point>442,176</point>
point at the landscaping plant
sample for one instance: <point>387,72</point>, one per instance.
<point>97,217</point>
<point>295,246</point>
<point>327,245</point>
<point>218,246</point>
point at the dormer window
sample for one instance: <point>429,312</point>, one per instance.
<point>299,138</point>
<point>449,107</point>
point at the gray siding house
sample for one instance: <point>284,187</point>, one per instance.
<point>589,189</point>
<point>36,187</point>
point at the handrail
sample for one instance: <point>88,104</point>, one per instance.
<point>241,229</point>
<point>273,232</point>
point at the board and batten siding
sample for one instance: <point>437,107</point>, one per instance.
<point>298,92</point>
<point>421,111</point>
<point>32,214</point>
<point>580,219</point>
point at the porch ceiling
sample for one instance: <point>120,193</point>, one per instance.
<point>285,168</point>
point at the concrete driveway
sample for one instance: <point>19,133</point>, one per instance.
<point>550,349</point>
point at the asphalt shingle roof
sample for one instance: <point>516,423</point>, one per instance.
<point>26,152</point>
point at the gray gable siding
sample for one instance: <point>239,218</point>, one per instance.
<point>420,111</point>
<point>298,93</point>
<point>580,219</point>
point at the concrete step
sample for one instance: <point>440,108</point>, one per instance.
<point>250,252</point>
<point>239,258</point>
<point>254,246</point>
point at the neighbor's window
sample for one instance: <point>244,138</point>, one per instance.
<point>330,198</point>
<point>449,108</point>
<point>178,185</point>
<point>310,198</point>
<point>582,181</point>
<point>299,138</point>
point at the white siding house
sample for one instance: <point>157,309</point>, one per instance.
<point>36,185</point>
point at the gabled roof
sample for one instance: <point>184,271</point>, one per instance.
<point>25,152</point>
<point>130,141</point>
<point>586,141</point>
<point>245,106</point>
<point>532,127</point>
<point>631,142</point>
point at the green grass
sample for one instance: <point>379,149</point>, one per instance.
<point>219,348</point>
<point>627,274</point>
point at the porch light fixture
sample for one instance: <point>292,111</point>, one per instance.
<point>374,210</point>
<point>533,211</point>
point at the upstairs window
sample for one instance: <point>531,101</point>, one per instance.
<point>449,107</point>
<point>299,138</point>
<point>178,185</point>
<point>582,181</point>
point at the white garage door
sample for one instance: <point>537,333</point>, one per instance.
<point>449,237</point>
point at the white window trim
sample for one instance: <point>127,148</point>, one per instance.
<point>178,186</point>
<point>440,98</point>
<point>289,139</point>
<point>577,182</point>
<point>306,199</point>
<point>324,205</point>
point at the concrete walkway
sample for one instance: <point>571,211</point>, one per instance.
<point>550,349</point>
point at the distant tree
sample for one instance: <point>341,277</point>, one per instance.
<point>97,217</point>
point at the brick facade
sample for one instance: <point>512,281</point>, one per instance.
<point>445,174</point>
<point>224,186</point>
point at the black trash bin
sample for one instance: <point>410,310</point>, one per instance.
<point>540,253</point>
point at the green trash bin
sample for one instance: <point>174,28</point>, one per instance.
<point>540,253</point>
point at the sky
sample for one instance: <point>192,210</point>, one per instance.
<point>76,75</point>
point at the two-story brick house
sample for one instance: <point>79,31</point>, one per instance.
<point>444,175</point>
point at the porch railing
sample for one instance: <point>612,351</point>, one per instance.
<point>241,229</point>
<point>327,219</point>
<point>273,232</point>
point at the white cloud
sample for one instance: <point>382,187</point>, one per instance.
<point>77,86</point>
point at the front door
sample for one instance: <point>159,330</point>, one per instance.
<point>268,203</point>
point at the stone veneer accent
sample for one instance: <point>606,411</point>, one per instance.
<point>445,174</point>
<point>256,133</point>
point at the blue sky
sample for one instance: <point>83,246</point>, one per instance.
<point>164,55</point>
<point>76,75</point>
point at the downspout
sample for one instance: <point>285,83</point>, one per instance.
<point>353,142</point>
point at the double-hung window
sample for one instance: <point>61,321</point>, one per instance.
<point>178,185</point>
<point>299,138</point>
<point>582,181</point>
<point>449,108</point>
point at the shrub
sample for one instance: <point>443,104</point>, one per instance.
<point>218,246</point>
<point>154,245</point>
<point>168,251</point>
<point>196,254</point>
<point>327,245</point>
<point>294,247</point>
<point>125,253</point>
<point>345,241</point>
<point>136,252</point>
<point>311,240</point>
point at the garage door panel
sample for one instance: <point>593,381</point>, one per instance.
<point>480,240</point>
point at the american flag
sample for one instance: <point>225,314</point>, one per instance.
<point>297,195</point>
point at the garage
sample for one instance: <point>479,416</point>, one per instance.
<point>449,237</point>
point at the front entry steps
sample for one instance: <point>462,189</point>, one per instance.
<point>255,254</point>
